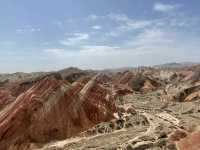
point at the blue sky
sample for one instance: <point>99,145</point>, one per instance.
<point>49,35</point>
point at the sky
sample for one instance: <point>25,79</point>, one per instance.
<point>43,35</point>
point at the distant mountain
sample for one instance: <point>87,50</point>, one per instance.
<point>176,65</point>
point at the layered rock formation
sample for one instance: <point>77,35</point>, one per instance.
<point>185,141</point>
<point>84,109</point>
<point>139,82</point>
<point>5,98</point>
<point>183,93</point>
<point>53,109</point>
<point>190,142</point>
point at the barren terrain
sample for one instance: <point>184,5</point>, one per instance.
<point>138,109</point>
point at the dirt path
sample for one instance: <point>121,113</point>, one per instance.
<point>136,137</point>
<point>101,141</point>
<point>156,121</point>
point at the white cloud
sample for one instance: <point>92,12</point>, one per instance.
<point>96,27</point>
<point>28,29</point>
<point>101,51</point>
<point>145,42</point>
<point>20,30</point>
<point>136,24</point>
<point>58,23</point>
<point>96,57</point>
<point>7,43</point>
<point>75,39</point>
<point>96,49</point>
<point>164,7</point>
<point>93,17</point>
<point>113,34</point>
<point>126,24</point>
<point>129,23</point>
<point>151,42</point>
<point>84,50</point>
<point>118,17</point>
<point>56,52</point>
<point>35,29</point>
<point>59,53</point>
<point>152,37</point>
<point>151,46</point>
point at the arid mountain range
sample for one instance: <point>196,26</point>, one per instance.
<point>140,108</point>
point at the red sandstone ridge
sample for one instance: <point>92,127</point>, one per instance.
<point>138,81</point>
<point>54,109</point>
<point>191,142</point>
<point>186,141</point>
<point>5,98</point>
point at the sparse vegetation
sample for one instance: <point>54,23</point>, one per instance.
<point>137,82</point>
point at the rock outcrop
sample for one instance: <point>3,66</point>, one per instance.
<point>139,82</point>
<point>191,142</point>
<point>5,98</point>
<point>54,109</point>
<point>186,93</point>
<point>77,109</point>
<point>186,141</point>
